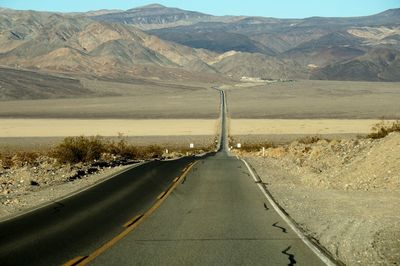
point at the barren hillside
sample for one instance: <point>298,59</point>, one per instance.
<point>188,45</point>
<point>76,44</point>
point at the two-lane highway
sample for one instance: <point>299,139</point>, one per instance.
<point>80,224</point>
<point>161,213</point>
<point>217,216</point>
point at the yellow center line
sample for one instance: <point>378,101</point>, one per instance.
<point>112,242</point>
<point>74,261</point>
<point>161,195</point>
<point>132,221</point>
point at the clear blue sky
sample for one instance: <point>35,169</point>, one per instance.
<point>267,8</point>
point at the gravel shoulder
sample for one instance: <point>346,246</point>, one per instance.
<point>344,193</point>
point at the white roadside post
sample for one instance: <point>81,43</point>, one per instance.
<point>191,146</point>
<point>238,145</point>
<point>263,151</point>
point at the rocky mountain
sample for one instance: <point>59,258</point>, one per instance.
<point>376,65</point>
<point>313,43</point>
<point>180,44</point>
<point>153,16</point>
<point>278,34</point>
<point>76,44</point>
<point>243,64</point>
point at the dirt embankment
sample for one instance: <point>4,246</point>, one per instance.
<point>26,186</point>
<point>344,193</point>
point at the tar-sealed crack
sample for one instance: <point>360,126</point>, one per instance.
<point>280,227</point>
<point>292,261</point>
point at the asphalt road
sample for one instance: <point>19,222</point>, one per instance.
<point>213,214</point>
<point>217,216</point>
<point>80,224</point>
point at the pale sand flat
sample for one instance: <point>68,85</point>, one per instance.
<point>301,126</point>
<point>106,127</point>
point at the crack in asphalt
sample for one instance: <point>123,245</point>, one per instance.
<point>280,227</point>
<point>292,261</point>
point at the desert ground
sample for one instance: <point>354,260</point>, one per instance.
<point>334,189</point>
<point>342,191</point>
<point>111,127</point>
<point>301,126</point>
<point>129,102</point>
<point>171,114</point>
<point>313,99</point>
<point>43,134</point>
<point>279,131</point>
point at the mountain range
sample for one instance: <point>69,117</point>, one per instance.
<point>158,42</point>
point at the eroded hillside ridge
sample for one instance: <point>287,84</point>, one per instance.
<point>79,45</point>
<point>358,48</point>
<point>180,44</point>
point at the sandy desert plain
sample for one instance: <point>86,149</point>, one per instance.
<point>169,116</point>
<point>277,111</point>
<point>334,189</point>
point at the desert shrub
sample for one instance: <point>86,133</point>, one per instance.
<point>25,158</point>
<point>382,129</point>
<point>79,149</point>
<point>87,149</point>
<point>152,151</point>
<point>122,148</point>
<point>8,160</point>
<point>309,139</point>
<point>5,161</point>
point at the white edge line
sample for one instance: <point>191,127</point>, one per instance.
<point>300,234</point>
